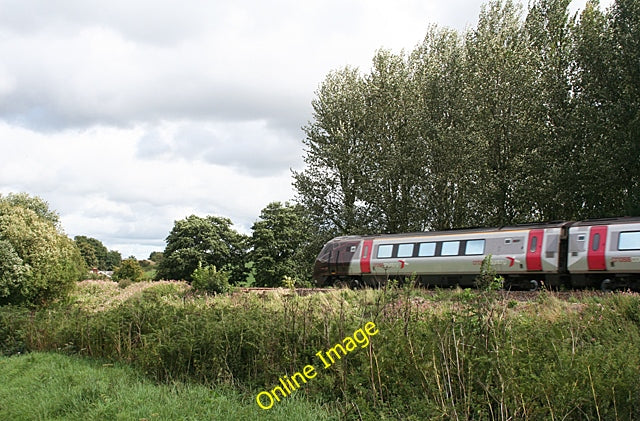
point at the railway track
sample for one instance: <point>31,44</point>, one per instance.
<point>298,291</point>
<point>506,295</point>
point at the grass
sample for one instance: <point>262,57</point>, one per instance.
<point>49,386</point>
<point>443,354</point>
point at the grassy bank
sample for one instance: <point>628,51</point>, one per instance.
<point>450,355</point>
<point>47,386</point>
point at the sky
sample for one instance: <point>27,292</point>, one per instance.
<point>127,115</point>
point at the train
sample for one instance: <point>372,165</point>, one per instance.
<point>597,253</point>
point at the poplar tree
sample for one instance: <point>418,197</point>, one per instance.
<point>526,117</point>
<point>330,185</point>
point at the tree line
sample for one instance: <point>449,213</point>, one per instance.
<point>526,117</point>
<point>39,263</point>
<point>208,251</point>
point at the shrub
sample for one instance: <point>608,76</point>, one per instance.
<point>129,269</point>
<point>288,282</point>
<point>124,283</point>
<point>12,326</point>
<point>488,279</point>
<point>208,279</point>
<point>38,262</point>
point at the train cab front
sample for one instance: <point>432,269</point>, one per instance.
<point>321,272</point>
<point>334,259</point>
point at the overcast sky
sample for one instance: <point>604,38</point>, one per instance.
<point>128,115</point>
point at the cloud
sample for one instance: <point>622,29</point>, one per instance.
<point>128,115</point>
<point>80,63</point>
<point>102,189</point>
<point>250,147</point>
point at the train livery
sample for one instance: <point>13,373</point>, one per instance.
<point>603,253</point>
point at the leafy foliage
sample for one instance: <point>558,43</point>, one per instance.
<point>208,241</point>
<point>523,118</point>
<point>129,269</point>
<point>488,279</point>
<point>280,244</point>
<point>96,255</point>
<point>209,279</point>
<point>34,203</point>
<point>37,261</point>
<point>156,256</point>
<point>472,354</point>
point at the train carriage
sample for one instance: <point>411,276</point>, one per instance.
<point>605,252</point>
<point>590,253</point>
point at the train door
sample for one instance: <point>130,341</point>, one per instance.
<point>333,260</point>
<point>534,250</point>
<point>365,257</point>
<point>596,250</point>
<point>341,257</point>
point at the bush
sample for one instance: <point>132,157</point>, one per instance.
<point>288,282</point>
<point>12,330</point>
<point>208,279</point>
<point>38,262</point>
<point>488,279</point>
<point>129,269</point>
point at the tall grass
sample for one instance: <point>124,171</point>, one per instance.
<point>450,355</point>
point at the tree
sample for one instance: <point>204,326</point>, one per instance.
<point>209,279</point>
<point>605,139</point>
<point>624,38</point>
<point>513,121</point>
<point>330,184</point>
<point>499,91</point>
<point>548,30</point>
<point>38,262</point>
<point>129,269</point>
<point>203,241</point>
<point>88,253</point>
<point>394,182</point>
<point>440,117</point>
<point>113,260</point>
<point>156,256</point>
<point>280,244</point>
<point>34,203</point>
<point>96,254</point>
<point>13,272</point>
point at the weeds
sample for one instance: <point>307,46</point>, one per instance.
<point>467,355</point>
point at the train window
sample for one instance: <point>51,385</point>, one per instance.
<point>629,240</point>
<point>385,250</point>
<point>474,247</point>
<point>596,242</point>
<point>581,237</point>
<point>534,245</point>
<point>507,240</point>
<point>405,250</point>
<point>450,248</point>
<point>427,249</point>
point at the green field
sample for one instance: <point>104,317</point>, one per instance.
<point>49,386</point>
